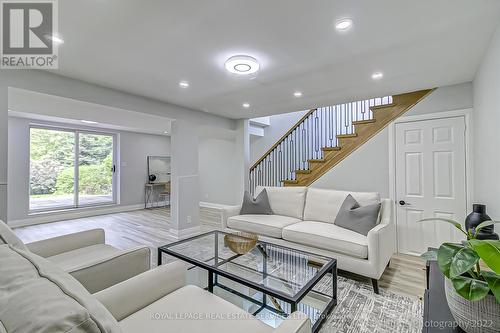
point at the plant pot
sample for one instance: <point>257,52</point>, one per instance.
<point>473,316</point>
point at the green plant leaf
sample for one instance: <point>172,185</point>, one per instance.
<point>489,251</point>
<point>463,260</point>
<point>446,253</point>
<point>455,223</point>
<point>470,289</point>
<point>452,222</point>
<point>493,281</point>
<point>430,255</point>
<point>485,224</point>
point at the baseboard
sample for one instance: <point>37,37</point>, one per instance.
<point>186,232</point>
<point>72,214</point>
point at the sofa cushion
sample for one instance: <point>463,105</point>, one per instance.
<point>37,296</point>
<point>360,219</point>
<point>266,225</point>
<point>328,236</point>
<point>87,256</point>
<point>7,236</point>
<point>324,205</point>
<point>257,205</point>
<point>192,309</point>
<point>286,201</point>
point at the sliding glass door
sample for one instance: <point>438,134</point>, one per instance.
<point>70,168</point>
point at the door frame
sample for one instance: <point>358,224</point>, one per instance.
<point>466,114</point>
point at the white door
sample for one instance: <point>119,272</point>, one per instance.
<point>430,182</point>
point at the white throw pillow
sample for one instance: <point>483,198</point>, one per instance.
<point>324,205</point>
<point>286,201</point>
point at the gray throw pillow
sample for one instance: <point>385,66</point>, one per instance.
<point>259,205</point>
<point>356,218</point>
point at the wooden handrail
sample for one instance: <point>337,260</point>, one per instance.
<point>282,139</point>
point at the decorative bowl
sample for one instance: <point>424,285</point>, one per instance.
<point>241,242</point>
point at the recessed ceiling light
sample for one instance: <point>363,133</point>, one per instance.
<point>166,132</point>
<point>297,94</point>
<point>246,105</point>
<point>377,75</point>
<point>242,65</point>
<point>89,122</point>
<point>344,24</point>
<point>55,39</point>
<point>184,84</point>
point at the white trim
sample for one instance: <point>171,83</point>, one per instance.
<point>214,205</point>
<point>435,115</point>
<point>186,232</point>
<point>70,214</point>
<point>466,114</point>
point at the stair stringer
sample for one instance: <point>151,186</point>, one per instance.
<point>382,115</point>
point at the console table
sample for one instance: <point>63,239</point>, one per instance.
<point>437,315</point>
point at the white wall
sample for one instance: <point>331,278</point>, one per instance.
<point>486,152</point>
<point>218,170</point>
<point>134,149</point>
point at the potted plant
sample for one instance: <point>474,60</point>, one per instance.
<point>472,283</point>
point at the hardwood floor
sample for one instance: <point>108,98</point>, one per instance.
<point>405,274</point>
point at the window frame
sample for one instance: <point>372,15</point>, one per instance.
<point>76,204</point>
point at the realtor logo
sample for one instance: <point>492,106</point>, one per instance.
<point>28,30</point>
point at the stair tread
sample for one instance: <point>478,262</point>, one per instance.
<point>330,148</point>
<point>366,121</point>
<point>288,181</point>
<point>382,106</point>
<point>302,171</point>
<point>353,135</point>
<point>317,160</point>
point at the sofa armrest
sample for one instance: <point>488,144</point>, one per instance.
<point>382,238</point>
<point>229,211</point>
<point>110,271</point>
<point>136,293</point>
<point>297,322</point>
<point>57,245</point>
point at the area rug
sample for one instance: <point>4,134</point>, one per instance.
<point>360,310</point>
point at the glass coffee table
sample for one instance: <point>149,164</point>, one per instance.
<point>282,280</point>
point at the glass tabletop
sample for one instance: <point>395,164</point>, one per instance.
<point>287,271</point>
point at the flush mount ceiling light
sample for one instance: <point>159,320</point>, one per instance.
<point>242,65</point>
<point>297,94</point>
<point>377,75</point>
<point>246,105</point>
<point>184,84</point>
<point>344,24</point>
<point>89,122</point>
<point>55,39</point>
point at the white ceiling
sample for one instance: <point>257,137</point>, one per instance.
<point>146,47</point>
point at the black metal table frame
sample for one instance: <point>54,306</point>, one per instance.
<point>214,272</point>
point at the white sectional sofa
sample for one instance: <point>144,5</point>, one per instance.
<point>304,219</point>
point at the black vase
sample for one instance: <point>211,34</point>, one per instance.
<point>477,216</point>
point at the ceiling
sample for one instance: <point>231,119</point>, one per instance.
<point>147,47</point>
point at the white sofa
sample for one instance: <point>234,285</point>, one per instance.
<point>304,219</point>
<point>38,296</point>
<point>86,256</point>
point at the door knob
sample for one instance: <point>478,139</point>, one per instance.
<point>403,203</point>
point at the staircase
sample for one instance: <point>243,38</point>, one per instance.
<point>325,136</point>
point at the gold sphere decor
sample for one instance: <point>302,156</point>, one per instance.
<point>241,242</point>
